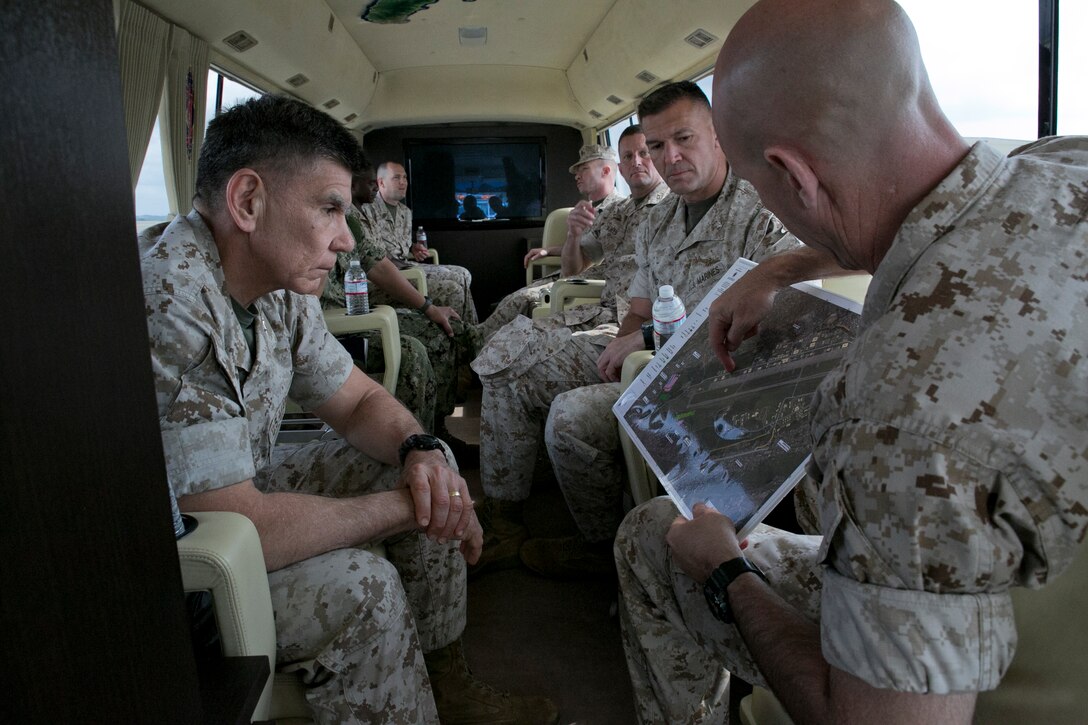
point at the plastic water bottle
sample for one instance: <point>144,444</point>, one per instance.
<point>669,314</point>
<point>421,236</point>
<point>356,290</point>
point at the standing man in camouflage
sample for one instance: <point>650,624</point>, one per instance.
<point>388,222</point>
<point>688,240</point>
<point>595,176</point>
<point>431,334</point>
<point>949,459</point>
<point>235,328</point>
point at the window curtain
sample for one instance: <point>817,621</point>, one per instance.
<point>142,39</point>
<point>182,116</point>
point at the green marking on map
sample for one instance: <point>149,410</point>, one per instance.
<point>387,12</point>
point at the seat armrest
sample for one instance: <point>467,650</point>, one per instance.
<point>566,293</point>
<point>641,481</point>
<point>416,276</point>
<point>544,265</point>
<point>432,253</point>
<point>382,318</point>
<point>223,555</point>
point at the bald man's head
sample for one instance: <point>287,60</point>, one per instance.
<point>826,107</point>
<point>836,74</point>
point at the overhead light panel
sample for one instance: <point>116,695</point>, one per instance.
<point>331,103</point>
<point>240,41</point>
<point>615,100</point>
<point>297,80</point>
<point>646,77</point>
<point>472,35</point>
<point>350,117</point>
<point>700,38</point>
<point>596,114</point>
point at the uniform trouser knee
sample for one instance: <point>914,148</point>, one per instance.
<point>584,447</point>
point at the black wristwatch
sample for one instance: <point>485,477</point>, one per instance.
<point>716,587</point>
<point>419,442</point>
<point>648,335</point>
<point>422,309</point>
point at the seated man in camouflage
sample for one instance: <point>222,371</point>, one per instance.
<point>948,458</point>
<point>434,342</point>
<point>531,373</point>
<point>387,222</point>
<point>235,328</point>
<point>595,176</point>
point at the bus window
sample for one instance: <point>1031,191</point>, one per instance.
<point>1072,63</point>
<point>150,197</point>
<point>982,58</point>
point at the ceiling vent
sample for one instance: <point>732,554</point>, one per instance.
<point>646,77</point>
<point>596,114</point>
<point>331,103</point>
<point>700,38</point>
<point>240,41</point>
<point>615,100</point>
<point>474,35</point>
<point>350,117</point>
<point>297,80</point>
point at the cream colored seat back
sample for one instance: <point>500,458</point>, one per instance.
<point>641,481</point>
<point>417,277</point>
<point>555,233</point>
<point>381,318</point>
<point>223,556</point>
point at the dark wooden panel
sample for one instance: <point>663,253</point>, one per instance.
<point>91,610</point>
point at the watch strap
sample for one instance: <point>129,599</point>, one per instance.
<point>648,335</point>
<point>422,309</point>
<point>716,588</point>
<point>419,442</point>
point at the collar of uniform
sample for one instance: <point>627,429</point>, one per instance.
<point>709,227</point>
<point>930,220</point>
<point>205,243</point>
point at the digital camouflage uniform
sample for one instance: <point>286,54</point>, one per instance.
<point>357,624</point>
<point>523,301</point>
<point>447,284</point>
<point>950,461</point>
<point>427,383</point>
<point>526,365</point>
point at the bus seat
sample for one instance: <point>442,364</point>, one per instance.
<point>565,294</point>
<point>641,481</point>
<point>297,428</point>
<point>417,277</point>
<point>222,555</point>
<point>1044,683</point>
<point>555,233</point>
<point>382,318</point>
<point>852,287</point>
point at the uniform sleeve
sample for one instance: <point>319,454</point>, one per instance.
<point>767,236</point>
<point>641,284</point>
<point>321,364</point>
<point>591,244</point>
<point>922,545</point>
<point>205,433</point>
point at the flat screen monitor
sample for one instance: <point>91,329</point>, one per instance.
<point>476,180</point>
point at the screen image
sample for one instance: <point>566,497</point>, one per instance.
<point>476,180</point>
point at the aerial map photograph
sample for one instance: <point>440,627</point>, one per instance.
<point>738,440</point>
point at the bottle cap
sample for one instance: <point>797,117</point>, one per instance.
<point>665,291</point>
<point>354,263</point>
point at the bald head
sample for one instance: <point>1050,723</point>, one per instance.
<point>839,87</point>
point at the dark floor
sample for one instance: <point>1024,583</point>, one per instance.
<point>529,634</point>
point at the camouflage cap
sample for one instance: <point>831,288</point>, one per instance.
<point>593,152</point>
